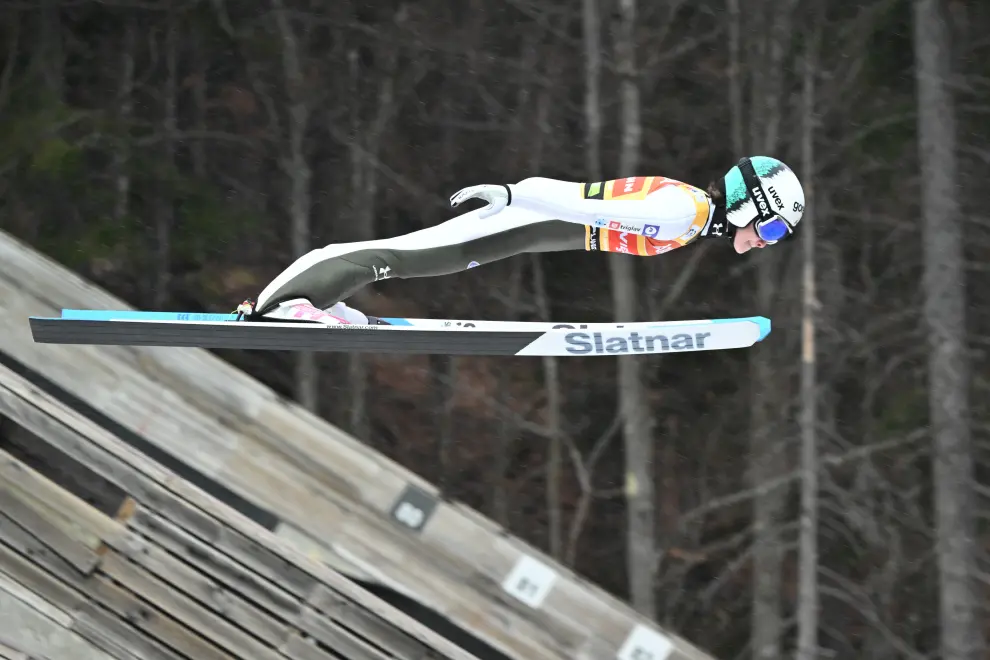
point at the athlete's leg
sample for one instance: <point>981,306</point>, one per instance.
<point>328,275</point>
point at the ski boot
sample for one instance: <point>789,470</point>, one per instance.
<point>301,310</point>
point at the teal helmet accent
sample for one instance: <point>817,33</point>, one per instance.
<point>759,187</point>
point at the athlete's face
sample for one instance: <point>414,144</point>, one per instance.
<point>746,239</point>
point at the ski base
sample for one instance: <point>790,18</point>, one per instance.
<point>401,336</point>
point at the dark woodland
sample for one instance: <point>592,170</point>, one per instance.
<point>821,495</point>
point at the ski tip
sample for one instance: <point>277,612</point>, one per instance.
<point>764,325</point>
<point>762,322</point>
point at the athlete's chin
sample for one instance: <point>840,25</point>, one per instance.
<point>744,246</point>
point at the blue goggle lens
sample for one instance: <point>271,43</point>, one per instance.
<point>772,230</point>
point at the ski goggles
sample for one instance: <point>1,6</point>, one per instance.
<point>770,226</point>
<point>773,229</point>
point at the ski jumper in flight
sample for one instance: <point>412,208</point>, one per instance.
<point>757,203</point>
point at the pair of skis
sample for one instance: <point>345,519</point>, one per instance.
<point>397,335</point>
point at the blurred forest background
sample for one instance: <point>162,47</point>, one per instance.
<point>822,495</point>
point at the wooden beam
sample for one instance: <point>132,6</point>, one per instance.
<point>172,603</point>
<point>119,639</point>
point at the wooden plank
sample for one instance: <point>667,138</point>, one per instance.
<point>184,609</point>
<point>207,592</point>
<point>64,429</point>
<point>30,631</point>
<point>124,394</point>
<point>255,587</point>
<point>49,610</point>
<point>144,616</point>
<point>228,546</point>
<point>263,592</point>
<point>17,539</point>
<point>10,653</point>
<point>263,478</point>
<point>468,544</point>
<point>333,458</point>
<point>102,639</point>
<point>572,603</point>
<point>68,598</point>
<point>17,515</point>
<point>402,564</point>
<point>346,614</point>
<point>163,418</point>
<point>323,552</point>
<point>339,639</point>
<point>60,507</point>
<point>582,617</point>
<point>117,638</point>
<point>298,647</point>
<point>26,446</point>
<point>39,581</point>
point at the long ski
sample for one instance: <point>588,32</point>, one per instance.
<point>401,335</point>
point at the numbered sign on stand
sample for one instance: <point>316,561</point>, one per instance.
<point>645,644</point>
<point>529,581</point>
<point>413,508</point>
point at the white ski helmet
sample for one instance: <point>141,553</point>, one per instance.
<point>764,190</point>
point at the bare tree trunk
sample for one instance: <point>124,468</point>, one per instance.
<point>365,149</point>
<point>766,458</point>
<point>637,422</point>
<point>499,502</point>
<point>121,156</point>
<point>165,209</point>
<point>357,369</point>
<point>551,366</point>
<point>534,148</point>
<point>767,455</point>
<point>296,167</point>
<point>944,312</point>
<point>52,51</point>
<point>592,90</point>
<point>735,76</point>
<point>808,603</point>
<point>444,369</point>
<point>199,55</point>
<point>13,22</point>
<point>551,377</point>
<point>766,618</point>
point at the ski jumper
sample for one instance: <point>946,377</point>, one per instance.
<point>642,216</point>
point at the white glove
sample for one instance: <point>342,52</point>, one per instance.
<point>498,197</point>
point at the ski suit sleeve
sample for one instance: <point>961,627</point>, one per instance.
<point>657,207</point>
